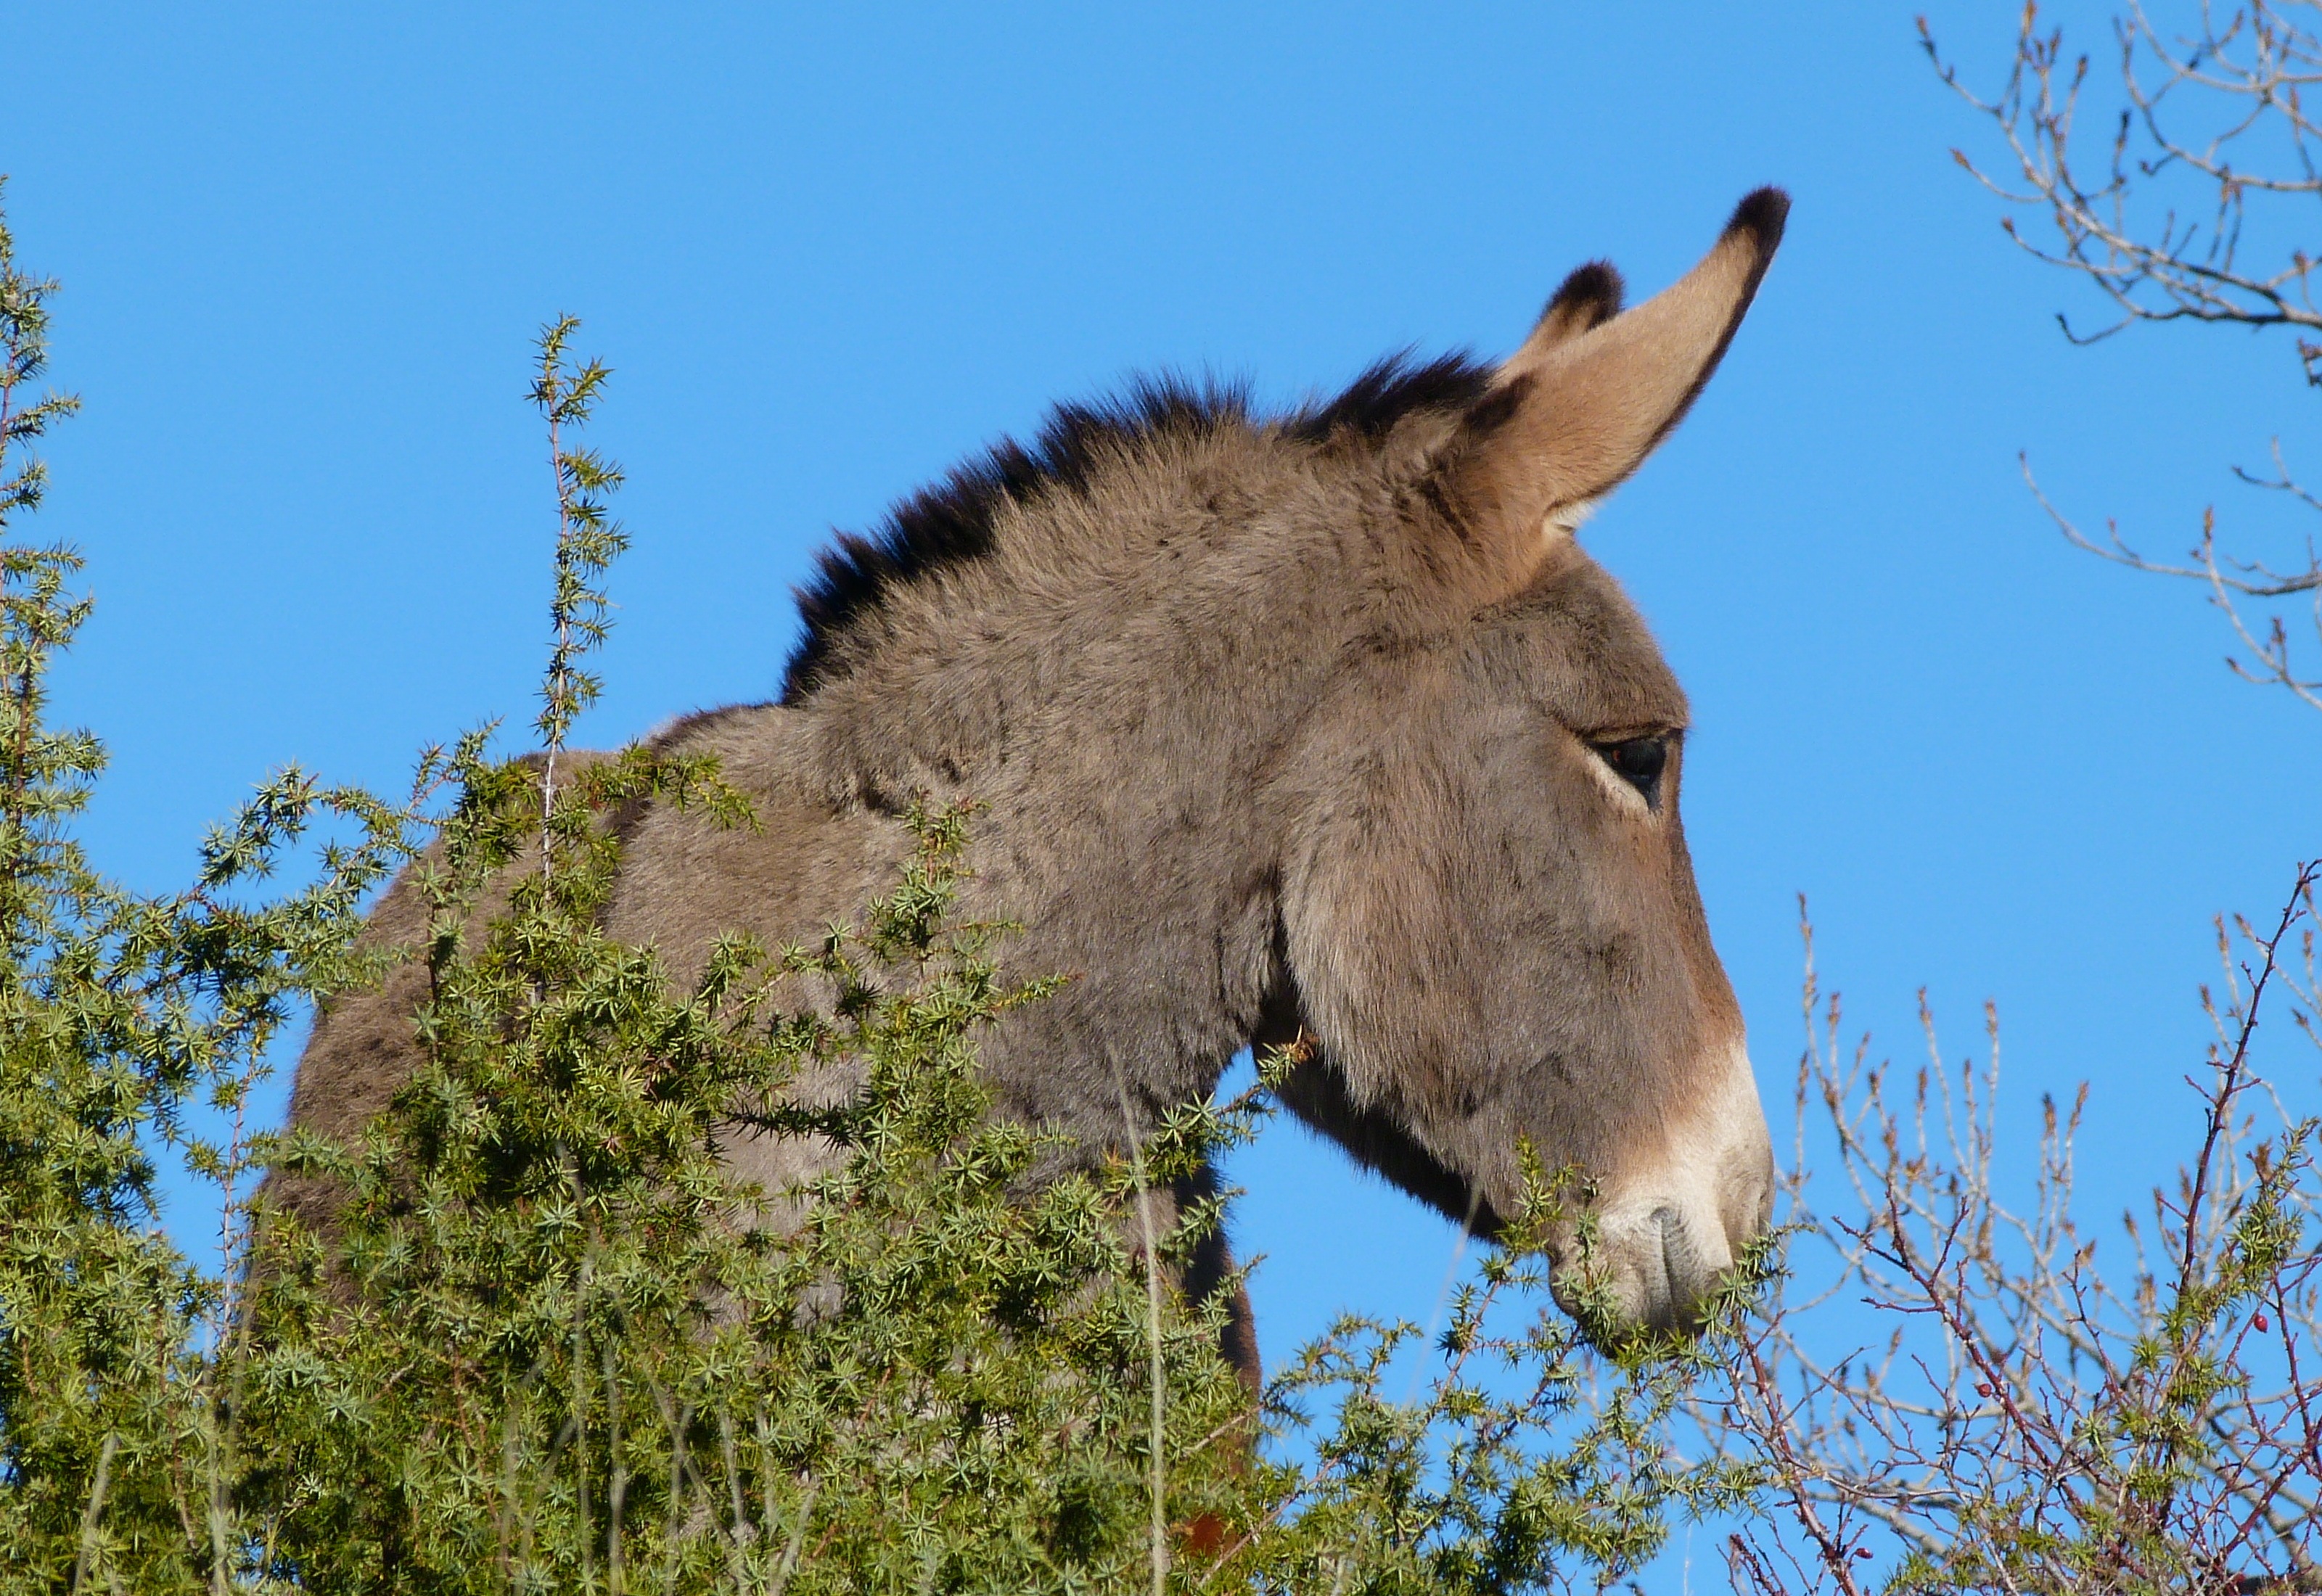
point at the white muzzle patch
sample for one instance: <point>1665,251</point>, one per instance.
<point>1671,1226</point>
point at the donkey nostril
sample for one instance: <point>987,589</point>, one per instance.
<point>1676,1270</point>
<point>1691,1270</point>
<point>1677,1236</point>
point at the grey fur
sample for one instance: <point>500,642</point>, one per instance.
<point>1274,727</point>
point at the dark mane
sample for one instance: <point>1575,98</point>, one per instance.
<point>1390,389</point>
<point>950,523</point>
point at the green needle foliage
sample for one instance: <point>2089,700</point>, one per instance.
<point>128,1025</point>
<point>557,1346</point>
<point>549,1342</point>
<point>1530,1460</point>
<point>587,539</point>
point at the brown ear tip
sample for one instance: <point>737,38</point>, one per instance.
<point>1763,215</point>
<point>1592,292</point>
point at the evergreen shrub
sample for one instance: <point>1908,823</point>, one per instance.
<point>548,1342</point>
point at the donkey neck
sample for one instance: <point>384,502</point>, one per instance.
<point>1113,690</point>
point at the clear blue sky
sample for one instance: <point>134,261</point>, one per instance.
<point>829,250</point>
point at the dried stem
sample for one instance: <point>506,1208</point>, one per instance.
<point>1954,1381</point>
<point>2210,166</point>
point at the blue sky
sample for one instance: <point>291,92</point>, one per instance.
<point>829,251</point>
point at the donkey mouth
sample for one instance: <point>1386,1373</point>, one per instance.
<point>1652,1271</point>
<point>1678,1278</point>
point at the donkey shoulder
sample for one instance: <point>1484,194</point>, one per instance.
<point>807,857</point>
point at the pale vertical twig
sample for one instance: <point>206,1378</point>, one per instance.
<point>1156,1481</point>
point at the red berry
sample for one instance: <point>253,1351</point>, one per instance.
<point>2260,1322</point>
<point>1982,1389</point>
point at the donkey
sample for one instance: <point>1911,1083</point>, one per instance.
<point>1313,724</point>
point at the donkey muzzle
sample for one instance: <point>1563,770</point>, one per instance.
<point>1669,1227</point>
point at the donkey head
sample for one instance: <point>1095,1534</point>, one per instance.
<point>1489,918</point>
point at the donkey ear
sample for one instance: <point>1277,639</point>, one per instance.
<point>1584,401</point>
<point>1589,297</point>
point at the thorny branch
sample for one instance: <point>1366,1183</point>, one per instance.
<point>2191,208</point>
<point>2217,112</point>
<point>2006,1415</point>
<point>2266,638</point>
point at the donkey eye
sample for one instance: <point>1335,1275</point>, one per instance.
<point>1639,762</point>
